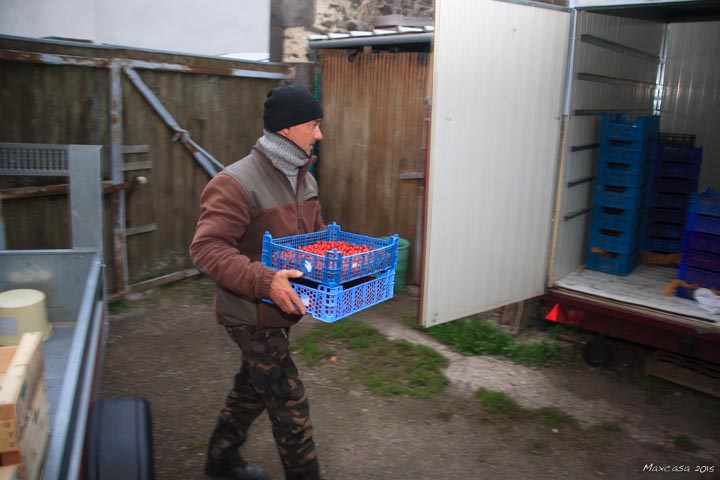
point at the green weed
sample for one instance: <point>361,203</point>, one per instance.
<point>385,367</point>
<point>310,350</point>
<point>498,402</point>
<point>537,447</point>
<point>686,444</point>
<point>608,426</point>
<point>554,417</point>
<point>476,336</point>
<point>654,387</point>
<point>119,306</point>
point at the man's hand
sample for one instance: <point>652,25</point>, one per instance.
<point>282,293</point>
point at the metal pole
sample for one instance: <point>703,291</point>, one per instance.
<point>117,176</point>
<point>211,165</point>
<point>562,157</point>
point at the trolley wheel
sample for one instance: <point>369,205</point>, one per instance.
<point>598,352</point>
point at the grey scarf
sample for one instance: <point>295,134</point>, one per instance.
<point>284,154</point>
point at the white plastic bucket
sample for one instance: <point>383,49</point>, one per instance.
<point>22,310</point>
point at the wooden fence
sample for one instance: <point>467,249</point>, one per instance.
<point>168,118</point>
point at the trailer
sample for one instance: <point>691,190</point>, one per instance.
<point>73,283</point>
<point>519,90</point>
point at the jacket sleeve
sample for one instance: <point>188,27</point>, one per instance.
<point>224,217</point>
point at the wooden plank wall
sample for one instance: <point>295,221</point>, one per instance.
<point>43,103</point>
<point>373,133</point>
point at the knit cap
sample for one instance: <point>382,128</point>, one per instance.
<point>290,105</point>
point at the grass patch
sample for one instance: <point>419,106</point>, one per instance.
<point>554,417</point>
<point>310,350</point>
<point>537,447</point>
<point>385,367</point>
<point>498,402</point>
<point>607,426</point>
<point>476,336</point>
<point>686,444</point>
<point>119,306</point>
<point>654,387</point>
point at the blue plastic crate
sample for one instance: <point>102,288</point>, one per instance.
<point>614,263</point>
<point>703,223</point>
<point>675,216</point>
<point>678,170</point>
<point>689,156</point>
<point>675,185</point>
<point>705,203</point>
<point>701,241</point>
<point>611,173</point>
<point>670,200</point>
<point>671,138</point>
<point>617,218</point>
<point>616,241</point>
<point>330,304</point>
<point>629,198</point>
<point>664,245</point>
<point>685,292</point>
<point>667,230</point>
<point>698,276</point>
<point>622,159</point>
<point>333,268</point>
<point>621,127</point>
<point>704,260</point>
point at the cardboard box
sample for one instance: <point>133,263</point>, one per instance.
<point>29,457</point>
<point>22,370</point>
<point>9,473</point>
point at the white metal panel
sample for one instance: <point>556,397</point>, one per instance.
<point>623,3</point>
<point>588,98</point>
<point>691,96</point>
<point>498,83</point>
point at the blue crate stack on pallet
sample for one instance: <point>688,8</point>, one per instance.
<point>700,264</point>
<point>618,221</point>
<point>334,285</point>
<point>677,169</point>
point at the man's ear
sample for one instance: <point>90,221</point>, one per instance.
<point>284,132</point>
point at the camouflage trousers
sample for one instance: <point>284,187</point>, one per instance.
<point>267,379</point>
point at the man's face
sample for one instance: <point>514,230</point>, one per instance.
<point>303,135</point>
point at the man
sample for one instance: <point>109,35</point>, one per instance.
<point>268,190</point>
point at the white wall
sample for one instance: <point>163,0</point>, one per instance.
<point>691,97</point>
<point>206,28</point>
<point>47,18</point>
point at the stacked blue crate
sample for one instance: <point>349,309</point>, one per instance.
<point>334,285</point>
<point>700,264</point>
<point>622,193</point>
<point>677,169</point>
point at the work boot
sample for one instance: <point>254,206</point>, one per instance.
<point>237,469</point>
<point>310,471</point>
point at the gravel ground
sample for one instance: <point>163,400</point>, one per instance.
<point>166,347</point>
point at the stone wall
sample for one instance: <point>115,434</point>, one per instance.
<point>342,16</point>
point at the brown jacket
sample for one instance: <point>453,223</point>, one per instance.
<point>237,207</point>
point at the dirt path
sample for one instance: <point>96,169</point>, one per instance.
<point>168,349</point>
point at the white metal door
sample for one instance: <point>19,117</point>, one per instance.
<point>498,83</point>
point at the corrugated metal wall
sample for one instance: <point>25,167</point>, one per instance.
<point>373,132</point>
<point>498,85</point>
<point>63,104</point>
<point>616,63</point>
<point>691,94</point>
